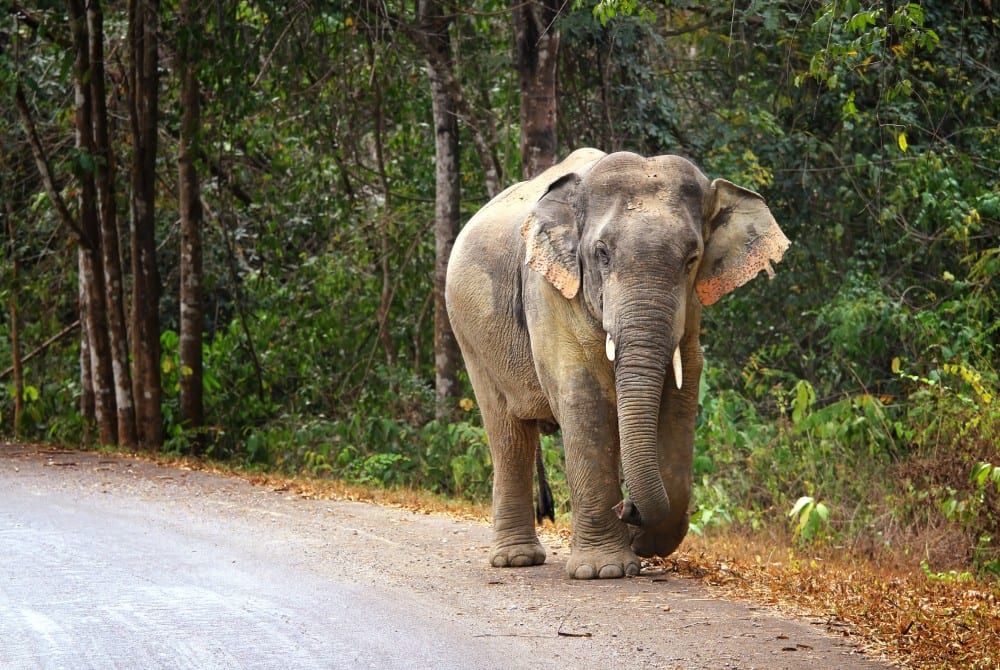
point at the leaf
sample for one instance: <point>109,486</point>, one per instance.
<point>901,140</point>
<point>822,511</point>
<point>805,396</point>
<point>804,519</point>
<point>980,472</point>
<point>895,365</point>
<point>948,507</point>
<point>799,504</point>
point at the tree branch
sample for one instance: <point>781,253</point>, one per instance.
<point>38,26</point>
<point>42,347</point>
<point>42,162</point>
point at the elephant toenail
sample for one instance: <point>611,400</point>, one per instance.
<point>632,569</point>
<point>499,561</point>
<point>585,572</point>
<point>520,561</point>
<point>611,572</point>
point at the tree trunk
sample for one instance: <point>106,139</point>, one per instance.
<point>189,196</point>
<point>110,254</point>
<point>91,265</point>
<point>143,98</point>
<point>86,380</point>
<point>434,26</point>
<point>536,54</point>
<point>385,296</point>
<point>15,333</point>
<point>15,352</point>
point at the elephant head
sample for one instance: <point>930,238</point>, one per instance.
<point>640,243</point>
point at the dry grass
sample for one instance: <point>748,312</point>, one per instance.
<point>891,609</point>
<point>917,621</point>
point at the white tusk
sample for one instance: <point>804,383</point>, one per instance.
<point>609,348</point>
<point>678,371</point>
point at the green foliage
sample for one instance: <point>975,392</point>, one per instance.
<point>983,474</point>
<point>945,576</point>
<point>809,518</point>
<point>712,508</point>
<point>976,511</point>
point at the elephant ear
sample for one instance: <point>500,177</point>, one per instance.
<point>551,238</point>
<point>743,240</point>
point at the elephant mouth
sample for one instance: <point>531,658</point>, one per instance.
<point>678,368</point>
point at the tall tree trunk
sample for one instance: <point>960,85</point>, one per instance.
<point>15,352</point>
<point>143,79</point>
<point>110,253</point>
<point>86,379</point>
<point>15,333</point>
<point>97,322</point>
<point>536,54</point>
<point>189,195</point>
<point>433,24</point>
<point>385,296</point>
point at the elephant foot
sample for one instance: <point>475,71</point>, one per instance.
<point>517,555</point>
<point>602,564</point>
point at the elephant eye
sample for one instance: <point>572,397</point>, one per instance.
<point>691,263</point>
<point>603,255</point>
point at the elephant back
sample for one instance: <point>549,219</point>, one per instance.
<point>514,203</point>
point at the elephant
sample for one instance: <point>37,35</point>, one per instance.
<point>575,298</point>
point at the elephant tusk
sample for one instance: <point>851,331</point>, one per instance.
<point>678,370</point>
<point>609,347</point>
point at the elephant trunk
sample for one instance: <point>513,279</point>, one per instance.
<point>640,371</point>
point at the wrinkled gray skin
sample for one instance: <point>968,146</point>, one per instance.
<point>599,245</point>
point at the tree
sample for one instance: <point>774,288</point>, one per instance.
<point>536,57</point>
<point>110,254</point>
<point>143,79</point>
<point>189,197</point>
<point>91,261</point>
<point>433,25</point>
<point>15,341</point>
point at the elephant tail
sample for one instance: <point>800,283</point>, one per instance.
<point>545,507</point>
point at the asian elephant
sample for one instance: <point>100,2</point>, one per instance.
<point>576,300</point>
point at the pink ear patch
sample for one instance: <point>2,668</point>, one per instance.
<point>768,247</point>
<point>542,257</point>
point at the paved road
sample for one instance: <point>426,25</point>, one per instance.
<point>108,562</point>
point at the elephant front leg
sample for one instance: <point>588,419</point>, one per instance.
<point>512,446</point>
<point>600,545</point>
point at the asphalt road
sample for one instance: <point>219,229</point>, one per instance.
<point>108,562</point>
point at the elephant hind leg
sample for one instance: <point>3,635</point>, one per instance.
<point>513,443</point>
